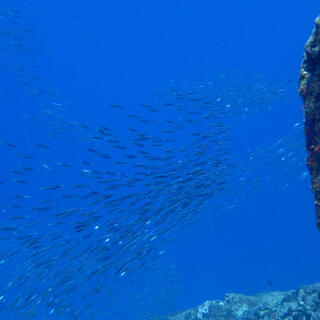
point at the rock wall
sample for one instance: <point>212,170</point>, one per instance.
<point>301,304</point>
<point>309,90</point>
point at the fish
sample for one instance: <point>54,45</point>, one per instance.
<point>40,209</point>
<point>53,187</point>
<point>21,181</point>
<point>19,196</point>
<point>17,172</point>
<point>46,166</point>
<point>23,155</point>
<point>28,169</point>
<point>9,144</point>
<point>63,164</point>
<point>68,196</point>
<point>80,186</point>
<point>116,106</point>
<point>42,146</point>
<point>86,163</point>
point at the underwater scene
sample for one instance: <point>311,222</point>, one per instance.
<point>154,162</point>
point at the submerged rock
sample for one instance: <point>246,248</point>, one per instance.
<point>301,304</point>
<point>309,89</point>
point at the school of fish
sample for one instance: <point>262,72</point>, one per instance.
<point>87,203</point>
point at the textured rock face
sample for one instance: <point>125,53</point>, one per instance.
<point>309,90</point>
<point>301,304</point>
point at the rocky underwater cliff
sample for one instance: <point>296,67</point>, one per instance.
<point>309,89</point>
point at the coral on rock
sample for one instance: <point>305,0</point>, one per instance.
<point>309,89</point>
<point>301,304</point>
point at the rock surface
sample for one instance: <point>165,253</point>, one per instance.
<point>301,304</point>
<point>309,89</point>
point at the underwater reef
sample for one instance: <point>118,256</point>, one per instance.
<point>300,304</point>
<point>309,89</point>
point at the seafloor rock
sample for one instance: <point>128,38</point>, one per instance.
<point>309,90</point>
<point>301,304</point>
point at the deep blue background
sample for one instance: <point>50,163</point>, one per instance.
<point>117,51</point>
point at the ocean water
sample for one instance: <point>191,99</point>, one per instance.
<point>152,156</point>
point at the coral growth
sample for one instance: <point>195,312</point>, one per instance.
<point>309,89</point>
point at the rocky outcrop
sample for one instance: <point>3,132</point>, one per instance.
<point>301,304</point>
<point>309,90</point>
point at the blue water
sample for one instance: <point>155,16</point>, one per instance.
<point>125,52</point>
